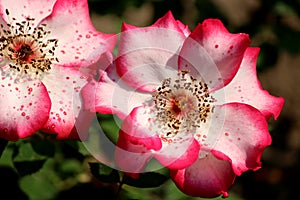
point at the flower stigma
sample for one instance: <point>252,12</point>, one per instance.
<point>181,105</point>
<point>26,50</point>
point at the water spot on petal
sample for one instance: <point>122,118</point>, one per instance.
<point>27,117</point>
<point>23,114</point>
<point>29,90</point>
<point>226,134</point>
<point>216,46</point>
<point>88,36</point>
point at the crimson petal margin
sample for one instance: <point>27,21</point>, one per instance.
<point>68,116</point>
<point>148,55</point>
<point>246,88</point>
<point>208,177</point>
<point>240,135</point>
<point>225,49</point>
<point>136,142</point>
<point>25,108</point>
<point>180,153</point>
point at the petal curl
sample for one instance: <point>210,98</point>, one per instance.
<point>208,177</point>
<point>225,49</point>
<point>68,117</point>
<point>25,108</point>
<point>237,132</point>
<point>180,153</point>
<point>86,44</point>
<point>148,55</point>
<point>246,88</point>
<point>136,142</point>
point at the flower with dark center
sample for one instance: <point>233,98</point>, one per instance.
<point>191,100</point>
<point>42,48</point>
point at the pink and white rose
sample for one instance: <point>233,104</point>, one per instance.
<point>191,100</point>
<point>43,46</point>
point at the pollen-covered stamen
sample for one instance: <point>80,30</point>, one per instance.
<point>27,49</point>
<point>181,105</point>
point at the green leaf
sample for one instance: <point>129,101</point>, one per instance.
<point>104,173</point>
<point>25,159</point>
<point>23,151</point>
<point>28,167</point>
<point>3,144</point>
<point>147,180</point>
<point>110,124</point>
<point>38,186</point>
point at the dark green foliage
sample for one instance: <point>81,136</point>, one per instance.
<point>104,173</point>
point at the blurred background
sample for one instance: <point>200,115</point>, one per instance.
<point>61,171</point>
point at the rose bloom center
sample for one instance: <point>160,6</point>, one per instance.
<point>180,105</point>
<point>26,49</point>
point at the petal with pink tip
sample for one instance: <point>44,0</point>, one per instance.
<point>79,43</point>
<point>178,152</point>
<point>168,21</point>
<point>130,155</point>
<point>23,9</point>
<point>237,132</point>
<point>208,177</point>
<point>25,108</point>
<point>136,141</point>
<point>246,88</point>
<point>148,55</point>
<point>138,129</point>
<point>108,97</point>
<point>225,49</point>
<point>68,117</point>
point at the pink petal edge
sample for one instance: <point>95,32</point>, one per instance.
<point>68,117</point>
<point>246,88</point>
<point>148,55</point>
<point>238,133</point>
<point>135,142</point>
<point>225,49</point>
<point>25,108</point>
<point>208,177</point>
